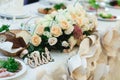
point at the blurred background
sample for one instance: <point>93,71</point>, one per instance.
<point>29,1</point>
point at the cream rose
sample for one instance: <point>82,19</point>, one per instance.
<point>74,16</point>
<point>36,40</point>
<point>65,44</point>
<point>69,31</point>
<point>52,41</point>
<point>56,31</point>
<point>79,21</point>
<point>64,24</point>
<point>39,30</point>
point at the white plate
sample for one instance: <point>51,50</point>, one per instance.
<point>102,19</point>
<point>112,6</point>
<point>22,71</point>
<point>40,14</point>
<point>18,16</point>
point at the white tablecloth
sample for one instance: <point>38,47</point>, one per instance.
<point>59,58</point>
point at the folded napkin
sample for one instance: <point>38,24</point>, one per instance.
<point>111,53</point>
<point>60,73</point>
<point>84,63</point>
<point>111,42</point>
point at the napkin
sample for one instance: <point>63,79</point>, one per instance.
<point>111,42</point>
<point>101,71</point>
<point>60,73</point>
<point>111,53</point>
<point>83,64</point>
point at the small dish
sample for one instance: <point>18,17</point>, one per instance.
<point>17,74</point>
<point>103,19</point>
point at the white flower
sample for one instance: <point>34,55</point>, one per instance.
<point>85,21</point>
<point>69,31</point>
<point>86,27</point>
<point>52,41</point>
<point>48,34</point>
<point>65,44</point>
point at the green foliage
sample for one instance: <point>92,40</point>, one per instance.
<point>47,9</point>
<point>87,33</point>
<point>10,64</point>
<point>118,1</point>
<point>106,16</point>
<point>94,4</point>
<point>47,29</point>
<point>4,28</point>
<point>59,6</point>
<point>1,63</point>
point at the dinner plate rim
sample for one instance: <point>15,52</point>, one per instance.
<point>102,19</point>
<point>18,16</point>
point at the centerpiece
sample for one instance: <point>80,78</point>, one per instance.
<point>61,30</point>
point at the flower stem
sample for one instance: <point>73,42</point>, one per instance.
<point>52,21</point>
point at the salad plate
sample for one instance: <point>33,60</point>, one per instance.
<point>108,17</point>
<point>48,10</point>
<point>21,71</point>
<point>103,19</point>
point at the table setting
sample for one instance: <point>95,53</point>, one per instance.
<point>59,40</point>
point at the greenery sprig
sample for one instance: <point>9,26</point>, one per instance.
<point>4,28</point>
<point>118,1</point>
<point>10,64</point>
<point>94,4</point>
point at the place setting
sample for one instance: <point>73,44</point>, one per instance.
<point>107,17</point>
<point>9,10</point>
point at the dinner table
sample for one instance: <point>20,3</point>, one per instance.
<point>60,58</point>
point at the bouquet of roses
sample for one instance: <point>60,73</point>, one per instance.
<point>61,30</point>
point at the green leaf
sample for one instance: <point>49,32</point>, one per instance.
<point>118,1</point>
<point>10,64</point>
<point>59,6</point>
<point>47,9</point>
<point>94,4</point>
<point>87,33</point>
<point>1,63</point>
<point>30,48</point>
<point>92,1</point>
<point>4,28</point>
<point>47,29</point>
